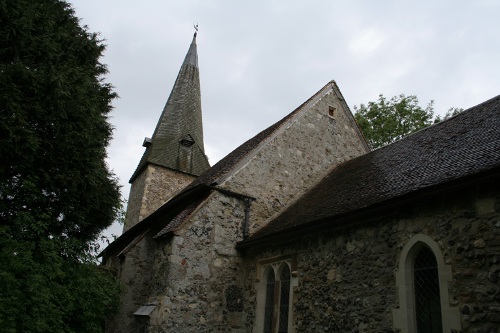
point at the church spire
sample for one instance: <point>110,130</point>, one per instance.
<point>177,141</point>
<point>192,55</point>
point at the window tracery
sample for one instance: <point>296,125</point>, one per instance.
<point>274,295</point>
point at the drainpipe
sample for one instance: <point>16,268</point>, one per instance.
<point>246,223</point>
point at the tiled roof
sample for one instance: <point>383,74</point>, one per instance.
<point>460,147</point>
<point>177,221</point>
<point>171,211</point>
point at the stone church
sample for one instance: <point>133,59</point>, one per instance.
<point>303,229</point>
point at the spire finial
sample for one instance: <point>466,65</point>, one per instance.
<point>195,28</point>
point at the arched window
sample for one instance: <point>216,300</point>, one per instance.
<point>422,280</point>
<point>284,298</point>
<point>274,297</point>
<point>269,306</point>
<point>426,290</point>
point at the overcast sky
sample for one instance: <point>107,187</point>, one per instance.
<point>259,60</point>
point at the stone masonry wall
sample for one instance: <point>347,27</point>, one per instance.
<point>134,272</point>
<point>198,276</point>
<point>347,276</point>
<point>134,203</point>
<point>151,189</point>
<point>297,158</point>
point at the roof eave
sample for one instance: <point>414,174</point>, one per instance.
<point>178,202</point>
<point>367,214</point>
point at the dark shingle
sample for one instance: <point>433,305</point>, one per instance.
<point>181,118</point>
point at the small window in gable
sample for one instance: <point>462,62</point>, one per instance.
<point>331,111</point>
<point>274,296</point>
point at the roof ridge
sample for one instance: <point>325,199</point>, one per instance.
<point>444,121</point>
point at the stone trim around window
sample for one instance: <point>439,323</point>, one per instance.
<point>276,264</point>
<point>404,316</point>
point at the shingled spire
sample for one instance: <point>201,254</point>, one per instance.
<point>177,142</point>
<point>175,154</point>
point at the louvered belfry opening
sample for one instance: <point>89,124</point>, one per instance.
<point>427,295</point>
<point>269,307</point>
<point>284,299</point>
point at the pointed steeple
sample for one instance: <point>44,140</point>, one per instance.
<point>177,141</point>
<point>192,55</point>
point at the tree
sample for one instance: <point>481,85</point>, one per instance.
<point>56,192</point>
<point>450,113</point>
<point>386,121</point>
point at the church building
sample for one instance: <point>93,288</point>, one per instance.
<point>303,229</point>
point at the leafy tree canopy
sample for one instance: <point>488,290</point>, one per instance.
<point>450,113</point>
<point>385,121</point>
<point>56,192</point>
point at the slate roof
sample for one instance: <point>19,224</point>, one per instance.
<point>175,210</point>
<point>177,221</point>
<point>460,147</point>
<point>181,118</point>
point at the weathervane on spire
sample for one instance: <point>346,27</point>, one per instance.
<point>195,28</point>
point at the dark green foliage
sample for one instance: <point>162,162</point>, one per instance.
<point>450,113</point>
<point>386,121</point>
<point>56,192</point>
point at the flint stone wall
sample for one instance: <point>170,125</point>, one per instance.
<point>198,275</point>
<point>347,276</point>
<point>135,274</point>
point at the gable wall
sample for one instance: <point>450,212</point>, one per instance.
<point>297,157</point>
<point>347,277</point>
